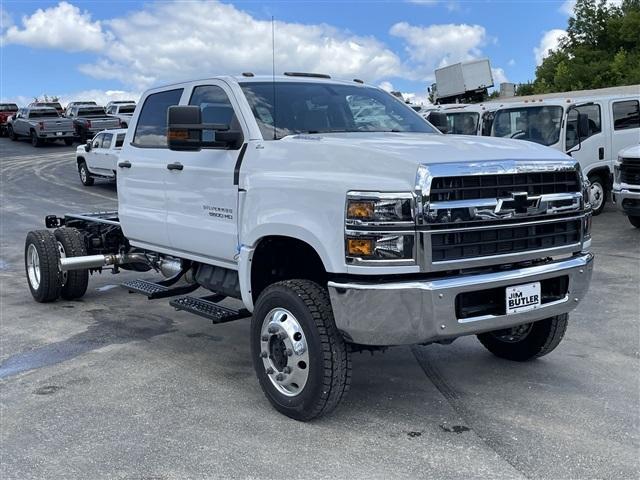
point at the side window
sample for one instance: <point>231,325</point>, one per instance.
<point>97,141</point>
<point>593,114</point>
<point>106,140</point>
<point>120,140</point>
<point>214,105</point>
<point>111,110</point>
<point>151,130</point>
<point>626,115</point>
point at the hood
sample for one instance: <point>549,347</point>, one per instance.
<point>630,152</point>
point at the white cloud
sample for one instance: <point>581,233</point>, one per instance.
<point>386,86</point>
<point>178,40</point>
<point>417,98</point>
<point>62,27</point>
<point>5,21</point>
<point>511,62</point>
<point>439,45</point>
<point>498,76</point>
<point>549,41</point>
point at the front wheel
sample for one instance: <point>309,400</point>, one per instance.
<point>12,134</point>
<point>301,360</point>
<point>85,176</point>
<point>634,220</point>
<point>41,257</point>
<point>528,341</point>
<point>598,194</point>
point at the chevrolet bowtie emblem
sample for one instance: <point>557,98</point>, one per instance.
<point>518,203</point>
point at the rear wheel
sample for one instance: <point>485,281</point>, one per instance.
<point>68,142</point>
<point>71,244</point>
<point>85,176</point>
<point>41,257</point>
<point>35,140</point>
<point>598,193</point>
<point>528,341</point>
<point>635,220</point>
<point>300,357</point>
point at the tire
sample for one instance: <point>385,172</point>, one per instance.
<point>35,140</point>
<point>598,194</point>
<point>528,341</point>
<point>71,244</point>
<point>41,257</point>
<point>634,220</point>
<point>321,368</point>
<point>68,142</point>
<point>12,134</point>
<point>82,135</point>
<point>85,177</point>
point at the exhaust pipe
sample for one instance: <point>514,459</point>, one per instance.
<point>97,261</point>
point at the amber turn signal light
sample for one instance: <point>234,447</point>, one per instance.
<point>359,247</point>
<point>360,210</point>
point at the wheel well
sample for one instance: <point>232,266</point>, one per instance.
<point>80,160</point>
<point>279,258</point>
<point>603,173</point>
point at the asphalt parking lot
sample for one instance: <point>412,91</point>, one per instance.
<point>116,386</point>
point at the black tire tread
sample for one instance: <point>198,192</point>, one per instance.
<point>543,339</point>
<point>77,280</point>
<point>605,191</point>
<point>47,246</point>
<point>90,180</point>
<point>337,358</point>
<point>634,220</point>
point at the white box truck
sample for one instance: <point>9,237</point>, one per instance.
<point>465,81</point>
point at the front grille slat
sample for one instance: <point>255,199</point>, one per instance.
<point>471,244</point>
<point>630,171</point>
<point>499,185</point>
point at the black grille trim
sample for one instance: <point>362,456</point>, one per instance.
<point>468,244</point>
<point>630,171</point>
<point>473,187</point>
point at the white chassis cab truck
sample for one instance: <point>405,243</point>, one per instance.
<point>337,234</point>
<point>590,129</point>
<point>98,158</point>
<point>626,184</point>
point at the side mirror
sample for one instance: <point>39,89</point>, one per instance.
<point>87,147</point>
<point>185,128</point>
<point>439,120</point>
<point>583,125</point>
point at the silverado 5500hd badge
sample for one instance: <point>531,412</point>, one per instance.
<point>219,212</point>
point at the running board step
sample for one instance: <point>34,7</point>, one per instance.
<point>155,290</point>
<point>208,309</point>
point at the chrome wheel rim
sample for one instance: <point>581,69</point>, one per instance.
<point>513,335</point>
<point>597,195</point>
<point>284,352</point>
<point>62,255</point>
<point>33,266</point>
<point>83,174</point>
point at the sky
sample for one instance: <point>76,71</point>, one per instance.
<point>109,49</point>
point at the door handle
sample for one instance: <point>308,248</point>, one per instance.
<point>601,153</point>
<point>125,164</point>
<point>175,166</point>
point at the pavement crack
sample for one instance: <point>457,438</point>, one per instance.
<point>458,406</point>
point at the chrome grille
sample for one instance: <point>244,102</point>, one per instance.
<point>498,212</point>
<point>630,171</point>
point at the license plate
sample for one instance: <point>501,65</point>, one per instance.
<point>523,298</point>
<point>59,134</point>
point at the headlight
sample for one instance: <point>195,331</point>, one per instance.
<point>379,228</point>
<point>379,208</point>
<point>379,246</point>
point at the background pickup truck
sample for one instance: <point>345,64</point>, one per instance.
<point>99,157</point>
<point>89,120</point>
<point>122,112</point>
<point>7,110</point>
<point>40,124</point>
<point>56,105</point>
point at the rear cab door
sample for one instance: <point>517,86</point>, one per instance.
<point>625,131</point>
<point>202,196</point>
<point>142,172</point>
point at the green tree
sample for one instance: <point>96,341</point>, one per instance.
<point>601,49</point>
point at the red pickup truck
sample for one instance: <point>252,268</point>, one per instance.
<point>7,110</point>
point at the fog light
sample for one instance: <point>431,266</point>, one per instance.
<point>359,247</point>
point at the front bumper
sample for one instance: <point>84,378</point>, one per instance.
<point>422,311</point>
<point>627,199</point>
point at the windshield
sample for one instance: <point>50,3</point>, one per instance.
<point>463,123</point>
<point>91,112</point>
<point>536,124</point>
<point>324,108</point>
<point>127,109</point>
<point>43,113</point>
<point>8,107</point>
